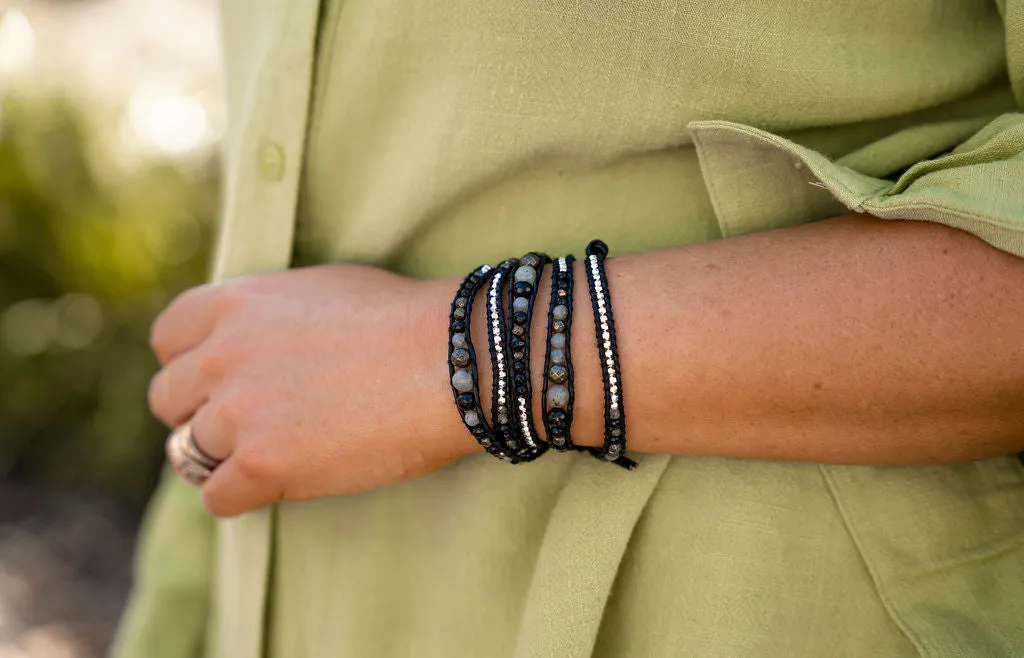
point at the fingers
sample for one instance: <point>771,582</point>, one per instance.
<point>177,391</point>
<point>188,321</point>
<point>214,431</point>
<point>240,484</point>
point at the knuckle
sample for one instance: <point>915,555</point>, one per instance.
<point>255,465</point>
<point>229,410</point>
<point>213,364</point>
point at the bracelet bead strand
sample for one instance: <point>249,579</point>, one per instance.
<point>604,325</point>
<point>558,374</point>
<point>523,295</point>
<point>462,363</point>
<point>498,340</point>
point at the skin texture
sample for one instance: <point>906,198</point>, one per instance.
<point>851,340</point>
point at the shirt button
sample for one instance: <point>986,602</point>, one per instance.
<point>271,160</point>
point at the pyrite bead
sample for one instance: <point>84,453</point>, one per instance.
<point>558,374</point>
<point>530,259</point>
<point>460,358</point>
<point>558,326</point>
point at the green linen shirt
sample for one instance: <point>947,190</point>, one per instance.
<point>431,136</point>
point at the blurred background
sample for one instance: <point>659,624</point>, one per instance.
<point>110,113</point>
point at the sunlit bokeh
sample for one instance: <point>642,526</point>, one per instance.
<point>110,117</point>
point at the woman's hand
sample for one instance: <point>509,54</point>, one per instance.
<point>309,383</point>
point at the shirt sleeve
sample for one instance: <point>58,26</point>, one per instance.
<point>966,173</point>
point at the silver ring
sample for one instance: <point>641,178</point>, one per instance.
<point>186,457</point>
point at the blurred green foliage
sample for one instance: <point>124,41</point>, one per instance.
<point>89,254</point>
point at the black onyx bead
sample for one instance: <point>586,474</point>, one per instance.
<point>458,326</point>
<point>466,401</point>
<point>459,314</point>
<point>517,343</point>
<point>557,431</point>
<point>563,278</point>
<point>520,378</point>
<point>521,390</point>
<point>512,443</point>
<point>518,330</point>
<point>519,365</point>
<point>523,289</point>
<point>557,326</point>
<point>556,418</point>
<point>519,318</point>
<point>478,431</point>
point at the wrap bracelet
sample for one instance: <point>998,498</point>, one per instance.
<point>462,363</point>
<point>497,339</point>
<point>604,326</point>
<point>558,383</point>
<point>522,295</point>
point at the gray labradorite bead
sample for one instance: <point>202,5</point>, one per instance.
<point>558,341</point>
<point>460,358</point>
<point>459,341</point>
<point>521,305</point>
<point>557,356</point>
<point>525,274</point>
<point>558,396</point>
<point>462,381</point>
<point>472,418</point>
<point>558,374</point>
<point>560,312</point>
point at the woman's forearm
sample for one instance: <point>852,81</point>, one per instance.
<point>851,340</point>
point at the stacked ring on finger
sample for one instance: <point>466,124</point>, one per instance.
<point>187,459</point>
